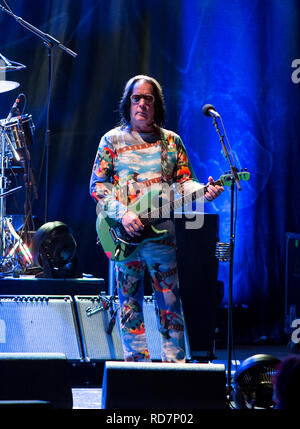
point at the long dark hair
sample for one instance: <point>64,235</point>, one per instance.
<point>159,104</point>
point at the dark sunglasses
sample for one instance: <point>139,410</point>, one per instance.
<point>135,98</point>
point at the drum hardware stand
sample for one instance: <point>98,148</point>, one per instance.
<point>9,237</point>
<point>3,188</point>
<point>11,65</point>
<point>24,157</point>
<point>225,251</point>
<point>11,191</point>
<point>49,42</point>
<point>17,244</point>
<point>29,181</point>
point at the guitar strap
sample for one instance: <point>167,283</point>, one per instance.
<point>166,168</point>
<point>165,174</point>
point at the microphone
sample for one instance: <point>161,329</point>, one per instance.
<point>209,110</point>
<point>14,106</point>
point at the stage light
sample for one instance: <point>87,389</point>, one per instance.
<point>54,250</point>
<point>253,382</point>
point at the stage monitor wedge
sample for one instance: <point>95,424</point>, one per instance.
<point>35,379</point>
<point>153,385</point>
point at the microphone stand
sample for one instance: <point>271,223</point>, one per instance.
<point>234,180</point>
<point>49,42</point>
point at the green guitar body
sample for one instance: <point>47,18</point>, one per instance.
<point>116,243</point>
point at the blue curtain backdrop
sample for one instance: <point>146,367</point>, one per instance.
<point>234,54</point>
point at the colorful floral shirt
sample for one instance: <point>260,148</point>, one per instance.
<point>127,163</point>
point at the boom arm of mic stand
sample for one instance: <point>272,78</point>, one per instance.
<point>47,38</point>
<point>232,168</point>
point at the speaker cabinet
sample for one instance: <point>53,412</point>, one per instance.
<point>35,379</point>
<point>39,324</point>
<point>95,315</point>
<point>153,385</point>
<point>198,280</point>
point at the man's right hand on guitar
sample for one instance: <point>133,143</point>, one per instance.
<point>132,223</point>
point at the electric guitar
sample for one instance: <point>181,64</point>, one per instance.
<point>118,245</point>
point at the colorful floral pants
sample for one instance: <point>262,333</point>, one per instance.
<point>160,260</point>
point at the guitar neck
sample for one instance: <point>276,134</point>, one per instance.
<point>187,198</point>
<point>170,206</point>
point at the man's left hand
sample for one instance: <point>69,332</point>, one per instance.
<point>213,191</point>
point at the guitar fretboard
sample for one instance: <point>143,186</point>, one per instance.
<point>164,210</point>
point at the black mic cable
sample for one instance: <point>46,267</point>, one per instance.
<point>112,322</point>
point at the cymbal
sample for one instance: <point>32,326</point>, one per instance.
<point>8,85</point>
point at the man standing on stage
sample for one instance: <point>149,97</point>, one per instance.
<point>135,156</point>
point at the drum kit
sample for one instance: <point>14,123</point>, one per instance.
<point>16,137</point>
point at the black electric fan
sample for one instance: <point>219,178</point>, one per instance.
<point>253,382</point>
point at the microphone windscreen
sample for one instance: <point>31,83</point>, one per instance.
<point>206,108</point>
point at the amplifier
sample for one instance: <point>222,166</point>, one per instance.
<point>39,324</point>
<point>95,314</point>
